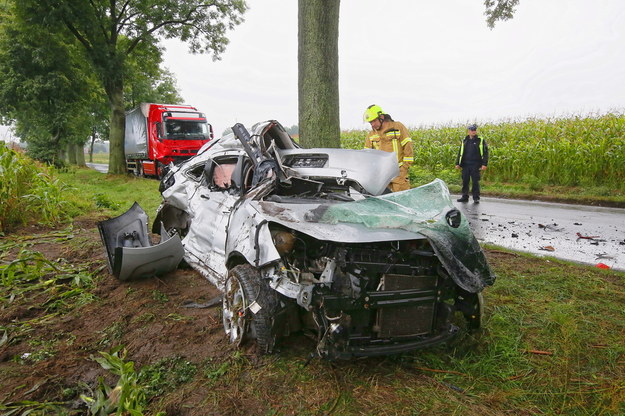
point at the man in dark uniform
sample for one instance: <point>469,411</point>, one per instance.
<point>472,158</point>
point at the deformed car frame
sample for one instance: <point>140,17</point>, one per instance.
<point>308,239</point>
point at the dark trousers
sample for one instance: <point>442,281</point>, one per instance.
<point>471,173</point>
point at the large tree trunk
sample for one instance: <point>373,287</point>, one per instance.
<point>80,155</point>
<point>117,158</point>
<point>318,67</point>
<point>71,153</point>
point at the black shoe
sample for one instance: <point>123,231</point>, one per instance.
<point>463,199</point>
<point>476,200</point>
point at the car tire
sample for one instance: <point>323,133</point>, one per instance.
<point>244,293</point>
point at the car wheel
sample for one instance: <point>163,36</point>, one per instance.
<point>249,305</point>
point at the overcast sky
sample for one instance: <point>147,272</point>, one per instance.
<point>425,62</point>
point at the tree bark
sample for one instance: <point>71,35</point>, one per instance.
<point>80,155</point>
<point>117,157</point>
<point>318,81</point>
<point>71,153</point>
<point>93,137</point>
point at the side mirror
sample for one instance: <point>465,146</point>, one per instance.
<point>159,130</point>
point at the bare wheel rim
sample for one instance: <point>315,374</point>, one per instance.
<point>234,307</point>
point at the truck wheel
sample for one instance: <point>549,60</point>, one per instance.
<point>249,307</point>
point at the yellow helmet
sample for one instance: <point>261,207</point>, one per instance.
<point>372,112</point>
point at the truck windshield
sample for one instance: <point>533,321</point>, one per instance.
<point>187,129</point>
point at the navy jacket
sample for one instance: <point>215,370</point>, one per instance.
<point>472,152</point>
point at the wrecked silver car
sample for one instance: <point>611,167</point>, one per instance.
<point>307,239</point>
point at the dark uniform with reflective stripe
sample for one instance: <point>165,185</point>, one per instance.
<point>472,155</point>
<point>393,137</point>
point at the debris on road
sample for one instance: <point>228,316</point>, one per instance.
<point>602,266</point>
<point>550,227</point>
<point>586,237</point>
<point>547,248</point>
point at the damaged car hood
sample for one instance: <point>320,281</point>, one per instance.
<point>416,213</point>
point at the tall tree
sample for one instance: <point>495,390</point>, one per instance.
<point>112,30</point>
<point>43,87</point>
<point>318,80</point>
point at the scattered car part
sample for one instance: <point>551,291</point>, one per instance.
<point>130,254</point>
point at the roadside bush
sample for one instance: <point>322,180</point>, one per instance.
<point>28,192</point>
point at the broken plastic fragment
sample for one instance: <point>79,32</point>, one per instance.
<point>547,248</point>
<point>602,266</point>
<point>586,237</point>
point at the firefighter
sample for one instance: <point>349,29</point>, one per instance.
<point>390,136</point>
<point>472,158</point>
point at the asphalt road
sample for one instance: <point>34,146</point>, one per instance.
<point>578,233</point>
<point>100,167</point>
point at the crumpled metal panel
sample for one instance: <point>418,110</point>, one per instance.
<point>412,214</point>
<point>130,253</point>
<point>249,235</point>
<point>308,219</point>
<point>372,169</point>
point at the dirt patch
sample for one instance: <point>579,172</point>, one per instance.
<point>148,317</point>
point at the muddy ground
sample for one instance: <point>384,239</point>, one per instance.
<point>148,317</point>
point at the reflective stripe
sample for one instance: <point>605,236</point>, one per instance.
<point>374,136</point>
<point>480,147</point>
<point>406,140</point>
<point>408,159</point>
<point>396,148</point>
<point>400,164</point>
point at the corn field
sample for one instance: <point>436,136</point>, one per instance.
<point>574,151</point>
<point>28,192</point>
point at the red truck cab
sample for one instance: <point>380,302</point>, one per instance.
<point>158,134</point>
